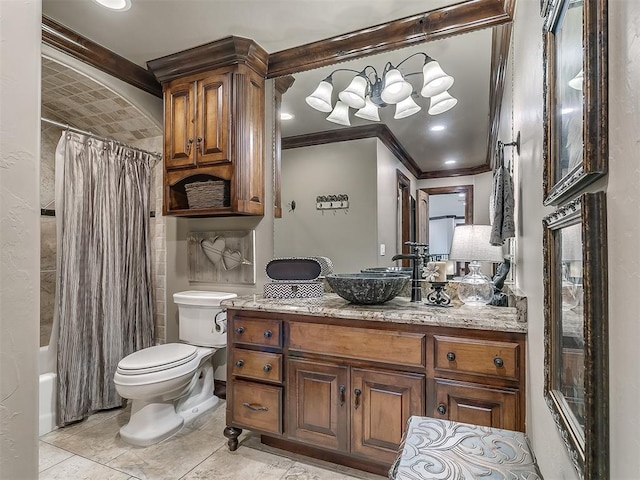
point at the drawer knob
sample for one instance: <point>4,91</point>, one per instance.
<point>267,368</point>
<point>356,402</point>
<point>498,362</point>
<point>240,363</point>
<point>268,334</point>
<point>240,330</point>
<point>442,409</point>
<point>451,356</point>
<point>255,407</point>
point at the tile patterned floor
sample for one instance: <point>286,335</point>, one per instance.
<point>93,450</point>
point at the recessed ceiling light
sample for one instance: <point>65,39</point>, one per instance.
<point>564,111</point>
<point>449,162</point>
<point>437,128</point>
<point>120,5</point>
<point>287,116</point>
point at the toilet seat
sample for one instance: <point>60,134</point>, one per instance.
<point>159,357</point>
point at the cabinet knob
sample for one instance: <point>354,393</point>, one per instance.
<point>451,356</point>
<point>498,362</point>
<point>240,330</point>
<point>240,363</point>
<point>356,402</point>
<point>267,368</point>
<point>189,143</point>
<point>442,409</point>
<point>199,144</point>
<point>342,391</point>
<point>268,334</point>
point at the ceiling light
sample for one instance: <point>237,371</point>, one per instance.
<point>577,81</point>
<point>566,110</point>
<point>368,92</point>
<point>120,5</point>
<point>437,128</point>
<point>287,116</point>
<point>449,162</point>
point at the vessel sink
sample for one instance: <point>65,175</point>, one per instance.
<point>367,288</point>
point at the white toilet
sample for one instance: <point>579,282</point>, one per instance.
<point>172,384</point>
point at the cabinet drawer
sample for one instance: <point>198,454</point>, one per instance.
<point>484,357</point>
<point>256,406</point>
<point>257,331</point>
<point>398,348</point>
<point>259,365</point>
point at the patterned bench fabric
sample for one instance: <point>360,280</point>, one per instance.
<point>442,450</point>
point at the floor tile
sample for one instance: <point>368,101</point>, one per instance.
<point>78,468</point>
<point>244,463</point>
<point>49,455</point>
<point>75,428</point>
<point>170,459</point>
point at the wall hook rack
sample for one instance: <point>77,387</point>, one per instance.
<point>515,143</point>
<point>332,202</point>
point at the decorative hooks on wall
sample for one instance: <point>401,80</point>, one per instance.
<point>332,202</point>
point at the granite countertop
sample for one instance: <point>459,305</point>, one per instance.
<point>398,310</point>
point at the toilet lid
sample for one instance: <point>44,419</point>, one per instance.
<point>154,359</point>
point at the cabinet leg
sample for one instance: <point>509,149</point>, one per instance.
<point>232,434</point>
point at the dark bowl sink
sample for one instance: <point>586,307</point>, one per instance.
<point>367,288</point>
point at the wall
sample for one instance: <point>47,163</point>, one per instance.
<point>19,241</point>
<point>387,188</point>
<point>623,233</point>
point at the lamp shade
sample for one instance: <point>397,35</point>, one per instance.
<point>320,99</point>
<point>406,108</point>
<point>441,102</point>
<point>577,81</point>
<point>471,242</point>
<point>340,114</point>
<point>369,112</point>
<point>396,88</point>
<point>354,94</point>
<point>435,80</point>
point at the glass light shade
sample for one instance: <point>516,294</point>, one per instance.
<point>435,80</point>
<point>441,102</point>
<point>577,81</point>
<point>340,114</point>
<point>120,5</point>
<point>354,94</point>
<point>396,88</point>
<point>406,108</point>
<point>320,99</point>
<point>369,112</point>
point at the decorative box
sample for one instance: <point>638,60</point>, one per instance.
<point>293,289</point>
<point>298,269</point>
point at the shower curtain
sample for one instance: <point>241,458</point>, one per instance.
<point>104,297</point>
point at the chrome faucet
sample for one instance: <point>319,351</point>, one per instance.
<point>418,255</point>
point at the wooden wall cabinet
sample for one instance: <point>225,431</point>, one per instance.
<point>214,125</point>
<point>343,391</point>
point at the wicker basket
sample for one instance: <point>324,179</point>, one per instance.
<point>211,194</point>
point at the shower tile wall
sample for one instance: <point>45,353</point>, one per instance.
<point>72,98</point>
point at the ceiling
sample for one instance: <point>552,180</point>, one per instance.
<point>155,28</point>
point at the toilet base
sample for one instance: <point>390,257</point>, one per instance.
<point>151,423</point>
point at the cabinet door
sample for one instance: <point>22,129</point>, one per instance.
<point>214,121</point>
<point>381,404</point>
<point>477,404</point>
<point>179,117</point>
<point>317,403</point>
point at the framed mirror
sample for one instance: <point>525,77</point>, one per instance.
<point>576,102</point>
<point>576,325</point>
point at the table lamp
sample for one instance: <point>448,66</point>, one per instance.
<point>471,244</point>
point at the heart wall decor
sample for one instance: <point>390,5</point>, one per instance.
<point>231,259</point>
<point>213,248</point>
<point>225,257</point>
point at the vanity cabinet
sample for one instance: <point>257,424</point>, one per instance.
<point>343,390</point>
<point>214,128</point>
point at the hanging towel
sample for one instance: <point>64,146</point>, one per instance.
<point>502,204</point>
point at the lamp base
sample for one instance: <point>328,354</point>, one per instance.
<point>475,288</point>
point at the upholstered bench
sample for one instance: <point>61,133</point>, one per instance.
<point>440,449</point>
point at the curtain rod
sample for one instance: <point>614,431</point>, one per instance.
<point>91,134</point>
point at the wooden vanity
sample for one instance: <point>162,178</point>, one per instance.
<point>337,381</point>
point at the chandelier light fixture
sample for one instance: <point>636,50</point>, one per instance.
<point>368,92</point>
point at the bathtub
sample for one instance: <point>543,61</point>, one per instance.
<point>47,390</point>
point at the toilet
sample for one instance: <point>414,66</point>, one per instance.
<point>172,384</point>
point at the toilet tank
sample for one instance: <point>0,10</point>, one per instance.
<point>201,320</point>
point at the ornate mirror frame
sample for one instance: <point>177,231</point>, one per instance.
<point>569,166</point>
<point>576,330</point>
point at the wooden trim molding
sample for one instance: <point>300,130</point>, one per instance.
<point>431,25</point>
<point>225,52</point>
<point>281,85</point>
<point>466,189</point>
<point>81,48</point>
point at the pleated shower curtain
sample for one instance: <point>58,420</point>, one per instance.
<point>104,296</point>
